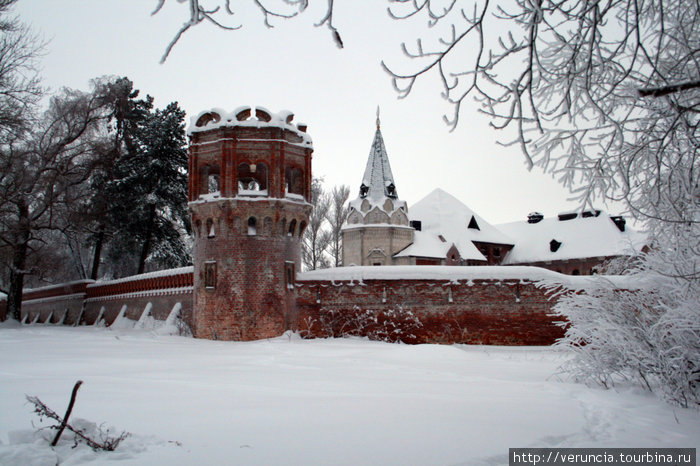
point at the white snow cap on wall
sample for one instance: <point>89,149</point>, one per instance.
<point>259,117</point>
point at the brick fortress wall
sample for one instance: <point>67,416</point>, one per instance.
<point>491,311</point>
<point>495,310</point>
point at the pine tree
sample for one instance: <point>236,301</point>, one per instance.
<point>150,192</point>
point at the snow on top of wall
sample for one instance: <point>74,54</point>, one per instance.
<point>545,278</point>
<point>432,272</point>
<point>57,286</point>
<point>145,276</point>
<point>440,213</point>
<point>261,117</point>
<point>580,237</point>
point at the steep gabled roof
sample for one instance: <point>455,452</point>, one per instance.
<point>441,213</point>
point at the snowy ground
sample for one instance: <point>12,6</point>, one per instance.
<point>319,402</point>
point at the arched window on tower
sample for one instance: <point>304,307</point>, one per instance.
<point>210,180</point>
<point>252,227</point>
<point>294,182</point>
<point>252,179</point>
<point>292,228</point>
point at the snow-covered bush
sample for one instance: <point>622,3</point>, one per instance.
<point>646,331</point>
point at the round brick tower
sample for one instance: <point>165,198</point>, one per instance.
<point>249,193</point>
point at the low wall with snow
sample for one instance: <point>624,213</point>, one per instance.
<point>430,304</point>
<point>56,303</point>
<point>88,302</point>
<point>130,296</point>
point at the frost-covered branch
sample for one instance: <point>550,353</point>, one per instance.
<point>103,442</point>
<point>282,9</point>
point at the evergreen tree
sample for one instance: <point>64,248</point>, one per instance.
<point>127,115</point>
<point>149,191</point>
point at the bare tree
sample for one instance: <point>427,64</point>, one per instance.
<point>337,213</point>
<point>317,238</point>
<point>19,81</point>
<point>43,174</point>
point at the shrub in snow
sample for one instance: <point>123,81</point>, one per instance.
<point>648,334</point>
<point>392,325</point>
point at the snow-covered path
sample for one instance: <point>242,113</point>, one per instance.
<point>291,401</point>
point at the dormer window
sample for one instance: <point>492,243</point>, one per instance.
<point>554,245</point>
<point>363,190</point>
<point>473,225</point>
<point>391,190</point>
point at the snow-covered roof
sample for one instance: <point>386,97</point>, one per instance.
<point>377,191</point>
<point>378,177</point>
<point>245,116</point>
<point>592,235</point>
<point>426,244</point>
<point>442,214</point>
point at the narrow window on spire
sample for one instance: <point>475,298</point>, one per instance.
<point>473,224</point>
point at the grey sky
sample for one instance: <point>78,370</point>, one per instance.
<point>298,67</point>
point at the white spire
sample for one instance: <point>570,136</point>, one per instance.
<point>378,181</point>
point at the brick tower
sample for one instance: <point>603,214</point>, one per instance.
<point>249,193</point>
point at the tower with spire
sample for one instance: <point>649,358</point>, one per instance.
<point>377,225</point>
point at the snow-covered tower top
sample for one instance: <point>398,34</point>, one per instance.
<point>377,201</point>
<point>378,181</point>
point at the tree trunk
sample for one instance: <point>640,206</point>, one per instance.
<point>98,251</point>
<point>146,248</point>
<point>19,261</point>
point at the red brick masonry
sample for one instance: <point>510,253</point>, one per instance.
<point>496,310</point>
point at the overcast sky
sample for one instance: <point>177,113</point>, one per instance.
<point>298,67</point>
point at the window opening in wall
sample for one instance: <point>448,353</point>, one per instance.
<point>210,228</point>
<point>213,184</point>
<point>294,182</point>
<point>496,252</point>
<point>575,272</point>
<point>252,179</point>
<point>376,263</point>
<point>252,227</point>
<point>289,274</point>
<point>292,228</point>
<point>210,274</point>
<point>210,182</point>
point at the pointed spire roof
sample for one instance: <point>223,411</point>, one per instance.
<point>378,181</point>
